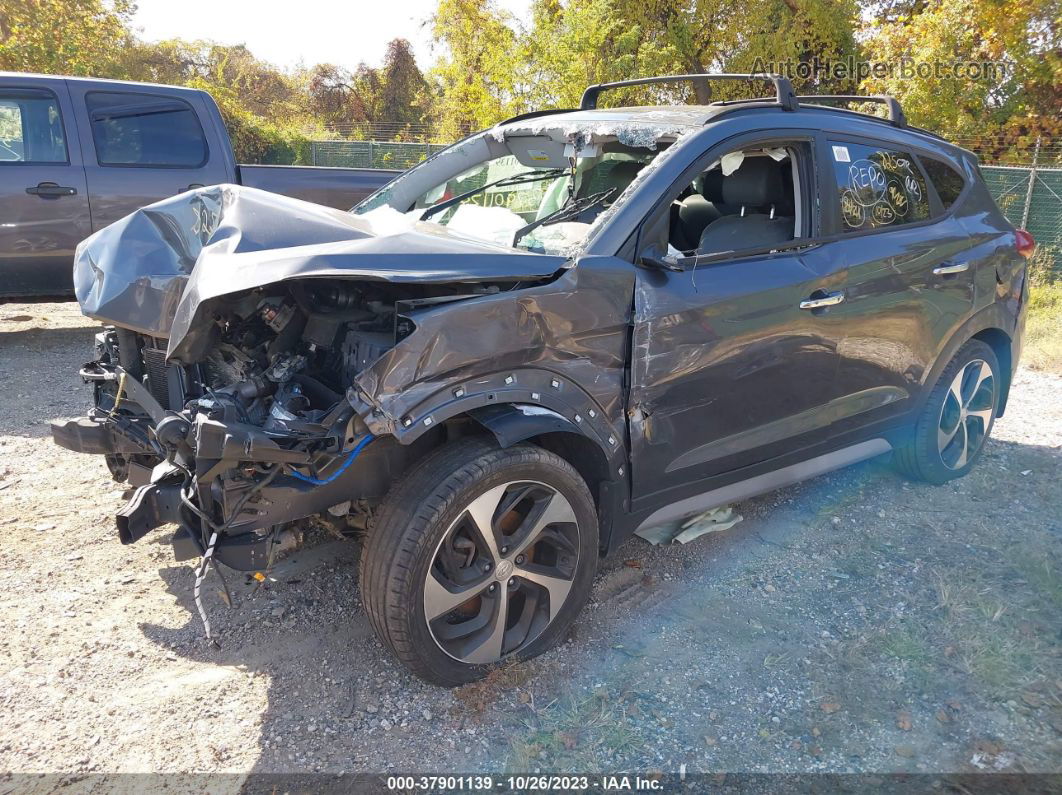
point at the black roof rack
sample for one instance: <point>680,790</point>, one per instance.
<point>895,111</point>
<point>782,87</point>
<point>534,114</point>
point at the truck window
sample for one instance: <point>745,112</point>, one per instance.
<point>31,129</point>
<point>145,130</point>
<point>877,187</point>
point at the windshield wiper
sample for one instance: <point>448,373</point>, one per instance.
<point>504,182</point>
<point>565,213</point>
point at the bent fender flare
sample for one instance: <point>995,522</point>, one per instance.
<point>515,422</point>
<point>535,388</point>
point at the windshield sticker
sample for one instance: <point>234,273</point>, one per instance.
<point>840,154</point>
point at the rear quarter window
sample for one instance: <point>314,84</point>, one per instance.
<point>948,182</point>
<point>145,130</point>
<point>877,187</point>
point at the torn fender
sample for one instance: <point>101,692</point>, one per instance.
<point>160,269</point>
<point>562,345</point>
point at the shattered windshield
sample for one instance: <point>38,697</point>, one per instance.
<point>530,192</point>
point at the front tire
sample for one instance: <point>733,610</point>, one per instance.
<point>479,555</point>
<point>950,433</point>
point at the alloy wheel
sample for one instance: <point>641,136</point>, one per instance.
<point>966,414</point>
<point>502,572</point>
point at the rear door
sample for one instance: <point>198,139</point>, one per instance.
<point>44,210</point>
<point>908,286</point>
<point>143,144</point>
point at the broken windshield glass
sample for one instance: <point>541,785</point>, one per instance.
<point>511,189</point>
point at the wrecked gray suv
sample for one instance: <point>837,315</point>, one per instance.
<point>552,333</point>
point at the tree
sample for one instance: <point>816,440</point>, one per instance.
<point>78,37</point>
<point>1017,48</point>
<point>404,91</point>
<point>476,74</point>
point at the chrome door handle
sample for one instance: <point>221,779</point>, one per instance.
<point>827,299</point>
<point>944,270</point>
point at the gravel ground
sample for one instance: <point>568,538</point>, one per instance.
<point>856,622</point>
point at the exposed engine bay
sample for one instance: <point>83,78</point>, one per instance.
<point>270,393</point>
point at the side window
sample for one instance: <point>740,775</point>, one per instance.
<point>750,198</point>
<point>947,181</point>
<point>31,129</point>
<point>145,130</point>
<point>877,187</point>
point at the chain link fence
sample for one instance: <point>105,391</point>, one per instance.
<point>1031,198</point>
<point>370,154</point>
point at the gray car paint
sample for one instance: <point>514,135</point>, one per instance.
<point>39,235</point>
<point>564,343</point>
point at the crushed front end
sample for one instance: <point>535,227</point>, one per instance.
<point>239,445</point>
<point>225,379</point>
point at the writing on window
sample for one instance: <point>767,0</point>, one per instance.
<point>877,187</point>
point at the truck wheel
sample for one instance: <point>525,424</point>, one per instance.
<point>950,433</point>
<point>479,555</point>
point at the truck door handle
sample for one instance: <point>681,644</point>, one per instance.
<point>957,267</point>
<point>51,189</point>
<point>193,186</point>
<point>820,298</point>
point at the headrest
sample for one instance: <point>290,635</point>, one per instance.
<point>711,185</point>
<point>757,183</point>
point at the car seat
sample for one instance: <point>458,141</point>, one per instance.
<point>757,189</point>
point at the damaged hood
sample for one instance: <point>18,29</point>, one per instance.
<point>154,270</point>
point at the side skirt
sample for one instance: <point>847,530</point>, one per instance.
<point>768,481</point>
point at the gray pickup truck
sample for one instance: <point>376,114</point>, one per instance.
<point>77,154</point>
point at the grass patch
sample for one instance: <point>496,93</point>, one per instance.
<point>476,698</point>
<point>905,645</point>
<point>575,734</point>
<point>1043,328</point>
<point>1002,627</point>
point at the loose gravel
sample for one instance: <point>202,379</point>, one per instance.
<point>856,622</point>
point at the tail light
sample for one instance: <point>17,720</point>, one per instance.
<point>1024,242</point>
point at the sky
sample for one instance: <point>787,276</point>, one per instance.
<point>310,31</point>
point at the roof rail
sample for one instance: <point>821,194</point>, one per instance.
<point>895,111</point>
<point>782,87</point>
<point>534,114</point>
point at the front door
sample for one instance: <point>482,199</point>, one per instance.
<point>730,372</point>
<point>734,358</point>
<point>44,210</point>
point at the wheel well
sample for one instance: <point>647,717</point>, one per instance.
<point>582,453</point>
<point>1000,342</point>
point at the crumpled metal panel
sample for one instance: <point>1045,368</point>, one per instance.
<point>160,269</point>
<point>575,327</point>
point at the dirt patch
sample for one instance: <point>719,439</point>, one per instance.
<point>855,622</point>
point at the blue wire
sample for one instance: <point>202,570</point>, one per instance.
<point>346,464</point>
